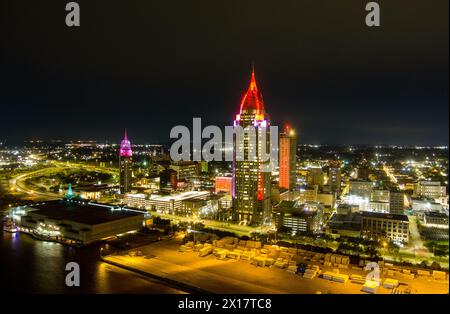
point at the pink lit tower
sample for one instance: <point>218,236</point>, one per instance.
<point>125,164</point>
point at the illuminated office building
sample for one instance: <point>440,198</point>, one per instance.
<point>224,184</point>
<point>362,188</point>
<point>125,165</point>
<point>396,202</point>
<point>430,189</point>
<point>251,185</point>
<point>287,159</point>
<point>334,177</point>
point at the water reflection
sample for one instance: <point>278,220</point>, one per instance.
<point>34,266</point>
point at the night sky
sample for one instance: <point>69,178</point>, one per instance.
<point>150,65</point>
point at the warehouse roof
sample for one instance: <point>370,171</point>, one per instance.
<point>81,211</point>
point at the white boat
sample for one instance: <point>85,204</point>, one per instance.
<point>9,226</point>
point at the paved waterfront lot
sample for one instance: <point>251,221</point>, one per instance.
<point>231,276</point>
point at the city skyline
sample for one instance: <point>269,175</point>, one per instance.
<point>327,74</point>
<point>252,149</point>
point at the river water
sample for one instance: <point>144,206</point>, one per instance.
<point>33,266</point>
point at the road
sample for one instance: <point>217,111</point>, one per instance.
<point>18,183</point>
<point>416,243</point>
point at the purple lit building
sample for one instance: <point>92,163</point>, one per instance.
<point>125,164</point>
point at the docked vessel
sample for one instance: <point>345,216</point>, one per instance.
<point>9,225</point>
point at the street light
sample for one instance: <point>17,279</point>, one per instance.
<point>195,218</point>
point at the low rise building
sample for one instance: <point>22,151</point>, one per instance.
<point>426,205</point>
<point>224,184</point>
<point>299,217</point>
<point>379,207</point>
<point>346,209</point>
<point>77,221</point>
<point>436,220</point>
<point>345,224</point>
<point>362,188</point>
<point>430,189</point>
<point>191,207</point>
<point>169,204</point>
<point>327,199</point>
<point>185,169</point>
<point>380,195</point>
<point>309,194</point>
<point>385,226</point>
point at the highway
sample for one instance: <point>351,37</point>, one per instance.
<point>18,183</point>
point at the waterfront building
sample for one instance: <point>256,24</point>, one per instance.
<point>74,221</point>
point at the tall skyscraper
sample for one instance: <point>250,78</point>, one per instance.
<point>125,165</point>
<point>334,177</point>
<point>364,170</point>
<point>251,184</point>
<point>287,159</point>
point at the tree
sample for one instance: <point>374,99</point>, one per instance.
<point>435,266</point>
<point>424,264</point>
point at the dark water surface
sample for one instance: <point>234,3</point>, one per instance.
<point>33,266</point>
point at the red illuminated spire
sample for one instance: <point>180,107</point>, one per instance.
<point>252,99</point>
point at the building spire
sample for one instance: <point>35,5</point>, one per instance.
<point>252,99</point>
<point>125,146</point>
<point>253,79</point>
<point>69,193</point>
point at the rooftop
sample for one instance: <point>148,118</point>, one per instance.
<point>351,221</point>
<point>84,213</point>
<point>385,216</point>
<point>295,208</point>
<point>175,197</point>
<point>436,215</point>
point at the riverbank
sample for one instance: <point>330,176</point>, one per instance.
<point>30,266</point>
<point>163,260</point>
